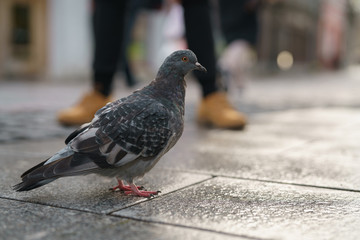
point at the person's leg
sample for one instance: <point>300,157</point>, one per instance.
<point>200,39</point>
<point>108,23</point>
<point>214,108</point>
<point>239,27</point>
<point>239,20</point>
<point>108,26</point>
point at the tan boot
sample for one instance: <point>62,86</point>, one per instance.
<point>84,111</point>
<point>216,110</point>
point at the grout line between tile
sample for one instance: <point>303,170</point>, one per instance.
<point>192,227</point>
<point>267,181</point>
<point>50,205</point>
<point>292,184</point>
<point>139,220</point>
<point>160,196</point>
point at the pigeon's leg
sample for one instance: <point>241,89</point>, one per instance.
<point>123,187</point>
<point>141,193</point>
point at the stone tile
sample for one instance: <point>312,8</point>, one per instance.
<point>320,170</point>
<point>307,124</point>
<point>308,153</point>
<point>292,130</point>
<point>91,192</point>
<point>34,148</point>
<point>344,145</point>
<point>237,142</point>
<point>330,117</point>
<point>257,209</point>
<point>19,220</point>
<point>26,125</point>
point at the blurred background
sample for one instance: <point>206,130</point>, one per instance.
<point>46,52</point>
<point>51,40</point>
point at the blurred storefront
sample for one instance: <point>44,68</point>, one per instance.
<point>48,38</point>
<point>287,26</point>
<point>22,37</point>
<point>321,34</point>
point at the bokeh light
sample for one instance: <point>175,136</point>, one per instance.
<point>285,60</point>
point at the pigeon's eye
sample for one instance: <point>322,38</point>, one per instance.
<point>184,59</point>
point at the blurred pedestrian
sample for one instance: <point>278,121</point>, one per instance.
<point>108,23</point>
<point>239,25</point>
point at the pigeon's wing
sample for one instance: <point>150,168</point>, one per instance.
<point>85,126</point>
<point>110,106</point>
<point>75,133</point>
<point>85,140</point>
<point>100,112</point>
<point>126,132</point>
<point>146,132</point>
<point>143,130</point>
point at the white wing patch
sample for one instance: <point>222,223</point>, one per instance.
<point>116,155</point>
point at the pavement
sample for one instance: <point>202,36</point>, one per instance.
<point>293,173</point>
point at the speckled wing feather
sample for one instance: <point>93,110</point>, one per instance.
<point>128,129</point>
<point>139,126</point>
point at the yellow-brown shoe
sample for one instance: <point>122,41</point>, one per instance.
<point>215,110</point>
<point>84,111</point>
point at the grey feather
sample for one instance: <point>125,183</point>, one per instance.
<point>127,137</point>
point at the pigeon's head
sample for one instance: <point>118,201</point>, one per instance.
<point>182,61</point>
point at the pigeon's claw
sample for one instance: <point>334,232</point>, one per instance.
<point>141,193</point>
<point>123,187</point>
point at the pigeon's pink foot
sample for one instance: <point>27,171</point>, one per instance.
<point>135,191</point>
<point>123,187</point>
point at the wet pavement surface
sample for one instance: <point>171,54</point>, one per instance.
<point>293,173</point>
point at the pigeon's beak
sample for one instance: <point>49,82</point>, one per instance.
<point>200,67</point>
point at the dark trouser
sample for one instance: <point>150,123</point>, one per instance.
<point>239,20</point>
<point>108,28</point>
<point>108,23</point>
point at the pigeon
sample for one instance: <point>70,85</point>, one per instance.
<point>127,137</point>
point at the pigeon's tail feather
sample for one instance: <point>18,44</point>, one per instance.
<point>49,170</point>
<point>33,168</point>
<point>29,185</point>
<point>39,175</point>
